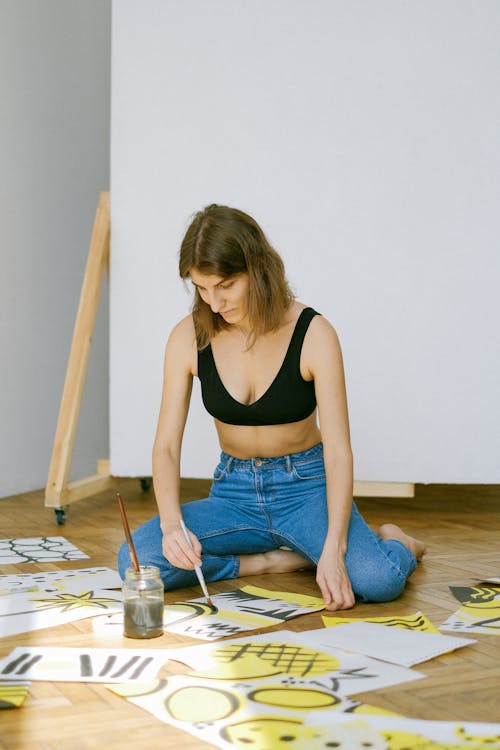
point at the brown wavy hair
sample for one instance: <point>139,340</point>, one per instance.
<point>225,241</point>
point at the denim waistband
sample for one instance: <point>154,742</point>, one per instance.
<point>263,463</point>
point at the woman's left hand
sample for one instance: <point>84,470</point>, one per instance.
<point>332,578</point>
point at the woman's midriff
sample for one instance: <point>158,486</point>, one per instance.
<point>268,441</point>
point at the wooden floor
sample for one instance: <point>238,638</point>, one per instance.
<point>461,526</point>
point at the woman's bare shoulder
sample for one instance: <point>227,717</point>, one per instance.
<point>323,327</point>
<point>181,343</point>
<point>184,330</point>
<point>319,326</point>
<point>321,343</point>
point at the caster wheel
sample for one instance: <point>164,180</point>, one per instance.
<point>61,515</point>
<point>146,483</point>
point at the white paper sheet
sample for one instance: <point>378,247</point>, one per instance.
<point>38,549</point>
<point>238,611</point>
<point>403,732</point>
<point>395,645</point>
<point>479,611</point>
<point>290,660</point>
<point>60,580</point>
<point>255,714</point>
<point>267,714</point>
<point>33,610</point>
<point>82,664</point>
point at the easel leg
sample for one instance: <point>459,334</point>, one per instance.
<point>59,492</point>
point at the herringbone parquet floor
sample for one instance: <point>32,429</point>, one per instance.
<point>461,526</point>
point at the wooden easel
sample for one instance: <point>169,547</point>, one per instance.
<point>59,492</point>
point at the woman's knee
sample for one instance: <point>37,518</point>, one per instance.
<point>384,584</point>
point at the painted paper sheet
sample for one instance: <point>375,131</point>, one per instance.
<point>233,612</point>
<point>396,645</point>
<point>417,621</point>
<point>33,610</point>
<point>417,734</point>
<point>82,664</point>
<point>237,611</point>
<point>263,715</point>
<point>60,580</point>
<point>38,549</point>
<point>13,694</point>
<point>480,610</point>
<point>283,656</point>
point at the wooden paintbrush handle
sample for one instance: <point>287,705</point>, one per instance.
<point>128,535</point>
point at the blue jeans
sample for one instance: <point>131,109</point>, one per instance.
<point>260,504</point>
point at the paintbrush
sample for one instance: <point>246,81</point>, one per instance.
<point>128,535</point>
<point>197,568</point>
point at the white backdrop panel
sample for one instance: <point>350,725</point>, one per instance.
<point>364,137</point>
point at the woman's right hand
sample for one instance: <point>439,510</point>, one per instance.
<point>177,549</point>
<point>333,580</point>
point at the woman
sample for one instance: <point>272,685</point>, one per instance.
<point>268,366</point>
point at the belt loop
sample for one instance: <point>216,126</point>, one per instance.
<point>229,464</point>
<point>288,463</point>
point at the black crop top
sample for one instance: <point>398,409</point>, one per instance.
<point>289,398</point>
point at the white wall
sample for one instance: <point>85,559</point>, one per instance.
<point>54,160</point>
<point>364,137</point>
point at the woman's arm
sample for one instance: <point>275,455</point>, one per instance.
<point>324,362</point>
<point>179,367</point>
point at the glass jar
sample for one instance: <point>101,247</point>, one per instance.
<point>143,602</point>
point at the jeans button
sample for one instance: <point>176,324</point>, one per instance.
<point>258,462</point>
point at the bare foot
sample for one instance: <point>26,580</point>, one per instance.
<point>275,561</point>
<point>391,531</point>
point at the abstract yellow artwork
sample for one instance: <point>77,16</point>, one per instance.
<point>417,621</point>
<point>480,610</point>
<point>237,611</point>
<point>282,656</point>
<point>23,612</point>
<point>13,694</point>
<point>264,715</point>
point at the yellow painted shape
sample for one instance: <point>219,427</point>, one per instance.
<point>135,689</point>
<point>474,618</point>
<point>482,597</point>
<point>242,661</point>
<point>491,740</point>
<point>14,695</point>
<point>200,703</point>
<point>245,669</point>
<point>298,698</point>
<point>401,740</point>
<point>467,617</point>
<point>285,733</point>
<point>483,611</point>
<point>67,602</point>
<point>269,733</point>
<point>418,621</point>
<point>301,600</point>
